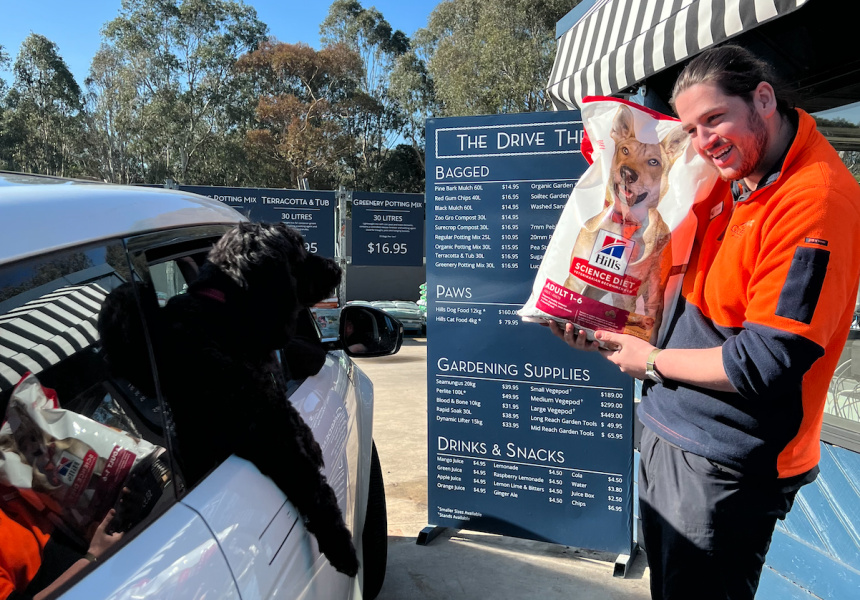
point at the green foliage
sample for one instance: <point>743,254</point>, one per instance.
<point>837,122</point>
<point>299,110</point>
<point>401,171</point>
<point>372,118</point>
<point>48,272</point>
<point>41,124</point>
<point>112,126</point>
<point>489,57</point>
<point>193,90</point>
<point>845,136</point>
<point>4,64</point>
<point>175,58</point>
<point>6,144</point>
<point>412,88</point>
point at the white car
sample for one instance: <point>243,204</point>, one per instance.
<point>233,535</point>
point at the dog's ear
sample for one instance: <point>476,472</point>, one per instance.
<point>674,143</point>
<point>622,125</point>
<point>316,279</point>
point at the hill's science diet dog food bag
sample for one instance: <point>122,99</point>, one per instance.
<point>63,463</point>
<point>624,237</point>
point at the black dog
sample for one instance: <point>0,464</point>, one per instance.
<point>221,375</point>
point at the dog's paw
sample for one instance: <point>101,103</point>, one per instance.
<point>343,558</point>
<point>335,542</point>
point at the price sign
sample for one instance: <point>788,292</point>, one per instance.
<point>310,212</point>
<point>386,248</point>
<point>387,229</point>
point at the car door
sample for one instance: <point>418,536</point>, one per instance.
<point>261,534</point>
<point>176,557</point>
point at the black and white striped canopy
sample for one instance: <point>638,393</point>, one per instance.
<point>45,331</point>
<point>618,43</point>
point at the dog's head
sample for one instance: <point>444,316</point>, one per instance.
<point>640,171</point>
<point>274,270</point>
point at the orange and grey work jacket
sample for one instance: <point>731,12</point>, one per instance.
<point>773,280</point>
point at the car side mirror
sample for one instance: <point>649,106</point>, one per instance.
<point>366,331</point>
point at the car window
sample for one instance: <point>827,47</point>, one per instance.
<point>78,439</point>
<point>171,277</point>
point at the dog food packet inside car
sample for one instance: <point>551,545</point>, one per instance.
<point>63,462</point>
<point>622,243</point>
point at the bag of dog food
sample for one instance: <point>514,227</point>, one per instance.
<point>624,238</point>
<point>62,462</point>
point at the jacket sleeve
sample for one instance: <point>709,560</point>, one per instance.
<point>802,289</point>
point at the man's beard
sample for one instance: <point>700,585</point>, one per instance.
<point>753,150</point>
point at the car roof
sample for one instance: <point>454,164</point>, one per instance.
<point>397,303</point>
<point>40,214</point>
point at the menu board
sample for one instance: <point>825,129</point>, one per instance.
<point>527,437</point>
<point>311,212</point>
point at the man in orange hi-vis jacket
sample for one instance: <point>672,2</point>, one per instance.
<point>733,406</point>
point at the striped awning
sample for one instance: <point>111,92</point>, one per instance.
<point>45,331</point>
<point>618,43</point>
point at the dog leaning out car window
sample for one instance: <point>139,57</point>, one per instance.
<point>216,347</point>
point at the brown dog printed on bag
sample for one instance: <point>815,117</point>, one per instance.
<point>629,238</point>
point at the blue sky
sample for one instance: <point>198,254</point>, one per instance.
<point>75,25</point>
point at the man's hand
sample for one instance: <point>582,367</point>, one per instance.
<point>629,352</point>
<point>572,337</point>
<point>98,545</point>
<point>700,367</point>
<point>102,540</point>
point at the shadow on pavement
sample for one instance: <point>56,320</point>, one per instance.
<point>469,565</point>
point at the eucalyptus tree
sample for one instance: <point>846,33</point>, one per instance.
<point>112,107</point>
<point>301,95</point>
<point>4,64</point>
<point>413,88</point>
<point>373,118</point>
<point>4,135</point>
<point>42,115</point>
<point>490,56</point>
<point>177,58</point>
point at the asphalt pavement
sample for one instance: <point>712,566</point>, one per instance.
<point>462,564</point>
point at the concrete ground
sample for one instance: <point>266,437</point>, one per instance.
<point>465,564</point>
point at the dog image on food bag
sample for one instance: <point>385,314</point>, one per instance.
<point>629,237</point>
<point>624,238</point>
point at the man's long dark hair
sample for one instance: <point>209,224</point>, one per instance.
<point>736,71</point>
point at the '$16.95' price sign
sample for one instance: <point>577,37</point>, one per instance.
<point>386,248</point>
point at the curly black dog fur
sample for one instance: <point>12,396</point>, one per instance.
<point>220,372</point>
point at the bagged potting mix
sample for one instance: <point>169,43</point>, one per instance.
<point>624,238</point>
<point>62,462</point>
